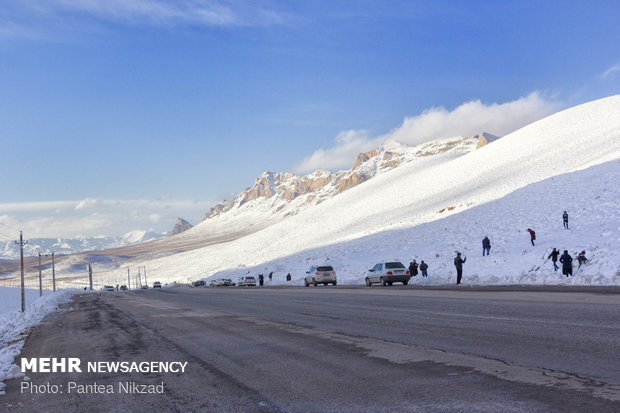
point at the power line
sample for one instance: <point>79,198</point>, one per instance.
<point>8,226</point>
<point>7,236</point>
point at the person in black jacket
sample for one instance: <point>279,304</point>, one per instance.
<point>567,263</point>
<point>413,269</point>
<point>554,257</point>
<point>581,258</point>
<point>565,219</point>
<point>486,246</point>
<point>423,268</point>
<point>458,263</point>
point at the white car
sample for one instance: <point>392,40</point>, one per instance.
<point>221,282</point>
<point>156,284</point>
<point>386,273</point>
<point>322,274</point>
<point>247,282</point>
<point>108,288</point>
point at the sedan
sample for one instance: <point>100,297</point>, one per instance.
<point>386,273</point>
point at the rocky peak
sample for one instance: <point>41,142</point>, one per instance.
<point>180,226</point>
<point>484,139</point>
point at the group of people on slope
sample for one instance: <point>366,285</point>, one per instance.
<point>565,259</point>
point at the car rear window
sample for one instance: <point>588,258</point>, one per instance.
<point>394,265</point>
<point>326,268</point>
<point>250,278</point>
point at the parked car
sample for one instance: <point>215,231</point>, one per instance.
<point>156,284</point>
<point>123,288</point>
<point>387,273</point>
<point>221,282</point>
<point>322,274</point>
<point>108,288</point>
<point>198,283</point>
<point>144,287</point>
<point>247,282</point>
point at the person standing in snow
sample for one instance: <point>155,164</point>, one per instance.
<point>532,235</point>
<point>458,263</point>
<point>554,257</point>
<point>288,277</point>
<point>581,258</point>
<point>565,219</point>
<point>486,246</point>
<point>413,268</point>
<point>567,264</point>
<point>261,279</point>
<point>423,268</point>
<point>270,276</point>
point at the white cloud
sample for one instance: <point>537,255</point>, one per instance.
<point>468,119</point>
<point>610,71</point>
<point>88,203</point>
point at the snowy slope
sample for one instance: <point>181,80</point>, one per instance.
<point>416,194</point>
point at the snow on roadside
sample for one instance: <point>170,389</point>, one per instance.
<point>15,325</point>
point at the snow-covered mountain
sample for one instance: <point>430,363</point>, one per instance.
<point>8,249</point>
<point>433,200</point>
<point>279,195</point>
<point>437,205</point>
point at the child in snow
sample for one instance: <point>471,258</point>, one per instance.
<point>532,235</point>
<point>581,258</point>
<point>554,257</point>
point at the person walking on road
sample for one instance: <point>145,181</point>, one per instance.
<point>423,268</point>
<point>532,235</point>
<point>486,246</point>
<point>565,219</point>
<point>554,257</point>
<point>458,263</point>
<point>567,264</point>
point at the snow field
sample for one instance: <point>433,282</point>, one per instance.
<point>14,324</point>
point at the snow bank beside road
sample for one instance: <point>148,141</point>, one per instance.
<point>14,324</point>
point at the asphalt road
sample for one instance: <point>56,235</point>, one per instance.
<point>337,350</point>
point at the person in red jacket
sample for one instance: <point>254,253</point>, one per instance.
<point>532,235</point>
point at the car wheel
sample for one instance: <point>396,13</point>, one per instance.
<point>390,283</point>
<point>306,283</point>
<point>314,282</point>
<point>368,283</point>
<point>383,282</point>
<point>335,283</point>
<point>325,284</point>
<point>405,282</point>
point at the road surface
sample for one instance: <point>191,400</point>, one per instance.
<point>334,350</point>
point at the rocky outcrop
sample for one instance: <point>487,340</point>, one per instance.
<point>180,226</point>
<point>281,194</point>
<point>484,139</point>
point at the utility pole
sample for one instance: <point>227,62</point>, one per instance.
<point>40,280</point>
<point>145,281</point>
<point>139,278</point>
<point>90,276</point>
<point>21,259</point>
<point>128,280</point>
<point>53,273</point>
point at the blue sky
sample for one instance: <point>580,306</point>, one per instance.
<point>165,107</point>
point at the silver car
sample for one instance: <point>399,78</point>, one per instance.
<point>247,282</point>
<point>386,273</point>
<point>322,274</point>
